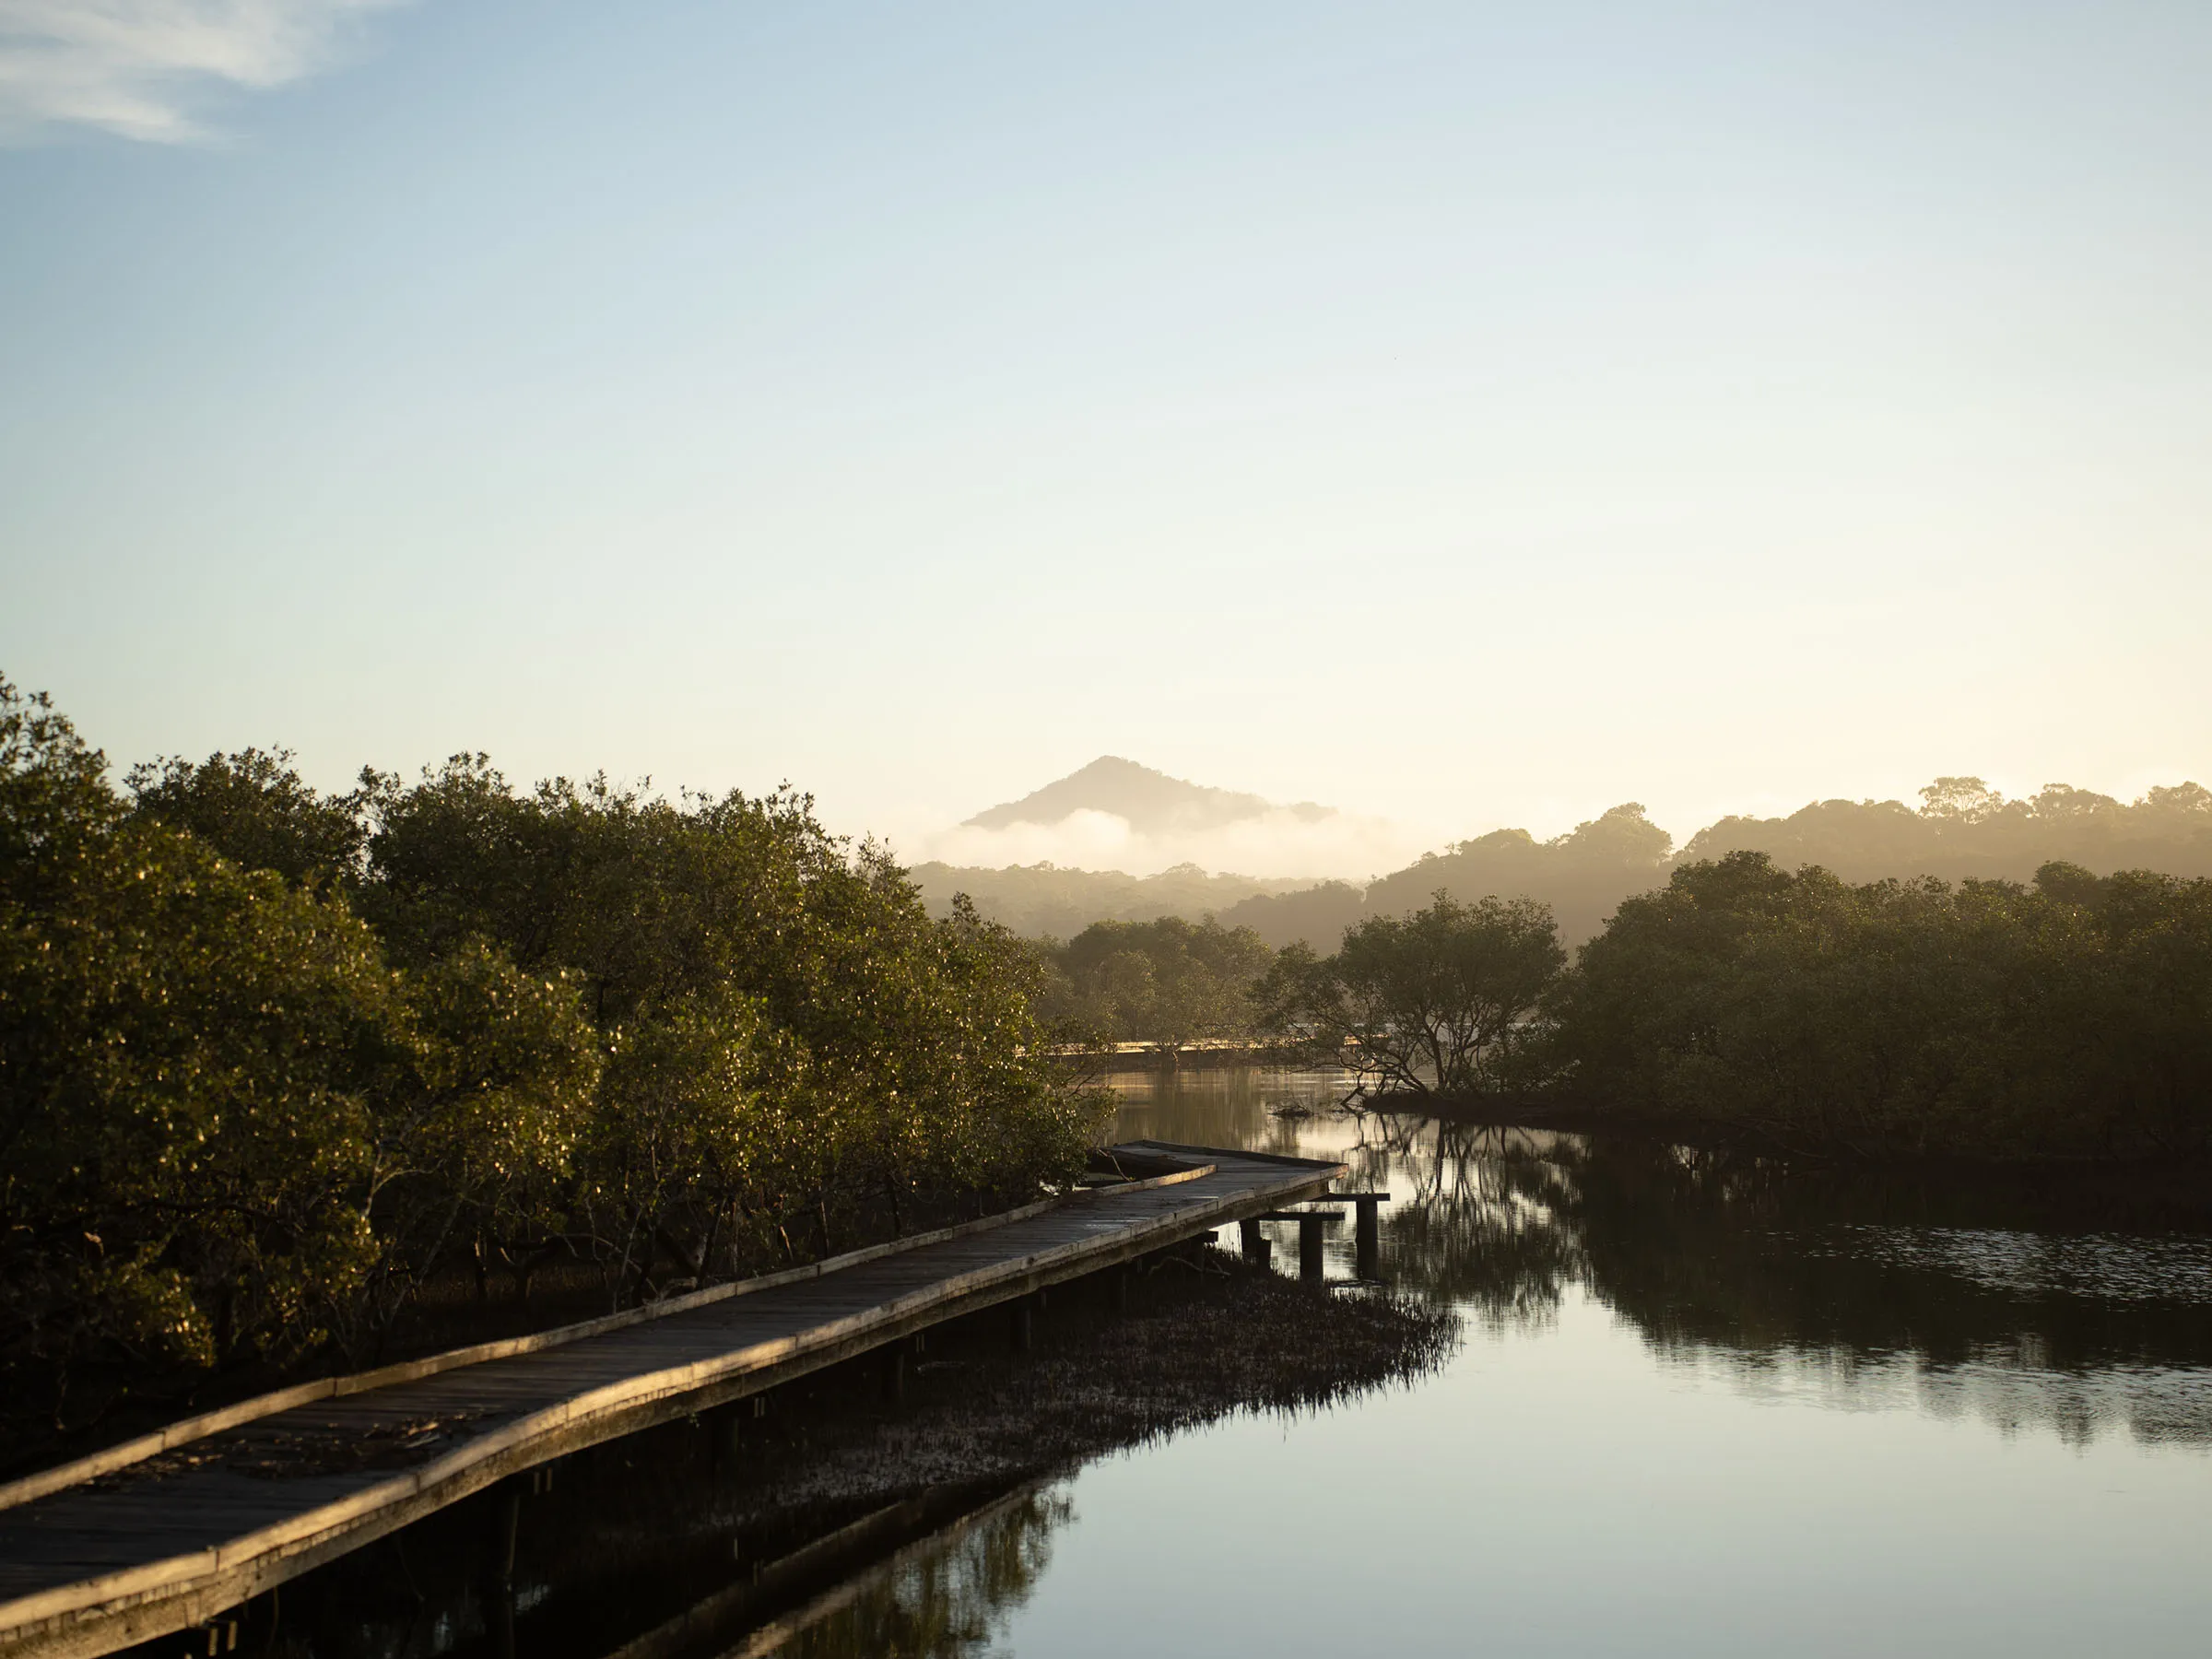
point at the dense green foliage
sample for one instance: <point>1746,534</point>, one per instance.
<point>269,1060</point>
<point>2069,1018</point>
<point>2074,1017</point>
<point>1438,1003</point>
<point>1168,984</point>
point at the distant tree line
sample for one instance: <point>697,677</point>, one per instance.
<point>1961,830</point>
<point>1167,983</point>
<point>1965,829</point>
<point>2071,1018</point>
<point>1048,900</point>
<point>271,1060</point>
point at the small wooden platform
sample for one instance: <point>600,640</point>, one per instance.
<point>167,1533</point>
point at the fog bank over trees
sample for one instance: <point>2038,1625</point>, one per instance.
<point>1961,830</point>
<point>1043,901</point>
<point>1114,814</point>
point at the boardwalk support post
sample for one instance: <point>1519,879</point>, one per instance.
<point>1254,1243</point>
<point>1018,1323</point>
<point>729,1422</point>
<point>894,1373</point>
<point>1309,1246</point>
<point>1367,1234</point>
<point>506,1523</point>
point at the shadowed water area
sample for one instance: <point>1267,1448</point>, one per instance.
<point>1705,1405</point>
<point>1702,1402</point>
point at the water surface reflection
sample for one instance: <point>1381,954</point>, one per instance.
<point>1852,1289</point>
<point>945,1598</point>
<point>1709,1404</point>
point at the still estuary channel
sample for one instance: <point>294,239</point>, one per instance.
<point>1699,1408</point>
<point>1699,1405</point>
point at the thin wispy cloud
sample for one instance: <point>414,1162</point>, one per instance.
<point>147,69</point>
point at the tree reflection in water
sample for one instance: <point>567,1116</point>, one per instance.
<point>1957,1296</point>
<point>1484,1228</point>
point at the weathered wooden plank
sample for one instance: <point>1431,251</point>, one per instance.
<point>171,1545</point>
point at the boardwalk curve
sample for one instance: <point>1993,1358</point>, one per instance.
<point>173,1529</point>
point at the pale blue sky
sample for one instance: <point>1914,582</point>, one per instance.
<point>1470,414</point>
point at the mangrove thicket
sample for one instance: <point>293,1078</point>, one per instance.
<point>272,1061</point>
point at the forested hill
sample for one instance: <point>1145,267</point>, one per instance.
<point>1150,801</point>
<point>1962,829</point>
<point>1583,874</point>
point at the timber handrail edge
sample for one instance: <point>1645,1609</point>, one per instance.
<point>147,1577</point>
<point>43,1483</point>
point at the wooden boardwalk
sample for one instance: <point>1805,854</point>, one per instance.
<point>167,1533</point>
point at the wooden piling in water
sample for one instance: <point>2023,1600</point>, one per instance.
<point>1367,1246</point>
<point>506,1523</point>
<point>1367,1237</point>
<point>1310,1263</point>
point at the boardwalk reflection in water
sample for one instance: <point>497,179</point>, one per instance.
<point>946,1598</point>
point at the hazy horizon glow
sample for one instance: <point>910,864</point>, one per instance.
<point>1466,416</point>
<point>1272,844</point>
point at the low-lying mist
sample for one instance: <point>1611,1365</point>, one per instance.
<point>1280,842</point>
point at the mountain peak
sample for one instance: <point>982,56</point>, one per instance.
<point>1152,803</point>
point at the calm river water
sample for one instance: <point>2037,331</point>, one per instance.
<point>1701,1408</point>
